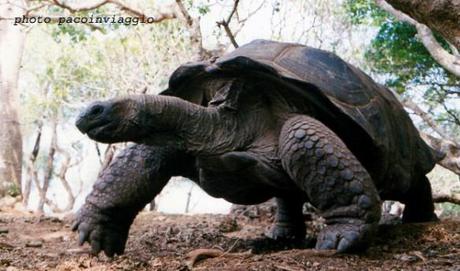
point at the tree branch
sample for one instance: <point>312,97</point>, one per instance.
<point>37,7</point>
<point>188,19</point>
<point>441,100</point>
<point>108,156</point>
<point>225,24</point>
<point>444,58</point>
<point>166,12</point>
<point>48,170</point>
<point>98,151</point>
<point>55,19</point>
<point>451,160</point>
<point>193,25</point>
<point>452,114</point>
<point>425,116</point>
<point>160,15</point>
<point>441,198</point>
<point>81,7</point>
<point>31,167</point>
<point>444,145</point>
<point>65,165</point>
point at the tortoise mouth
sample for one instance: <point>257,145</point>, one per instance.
<point>100,129</point>
<point>104,132</point>
<point>97,129</point>
<point>86,125</point>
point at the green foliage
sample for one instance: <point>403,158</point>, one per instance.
<point>76,33</point>
<point>14,190</point>
<point>364,12</point>
<point>203,9</point>
<point>397,52</point>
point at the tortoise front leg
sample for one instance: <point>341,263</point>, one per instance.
<point>132,180</point>
<point>334,181</point>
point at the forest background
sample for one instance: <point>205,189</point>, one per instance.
<point>49,71</point>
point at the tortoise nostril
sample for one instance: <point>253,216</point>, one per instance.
<point>96,110</point>
<point>91,117</point>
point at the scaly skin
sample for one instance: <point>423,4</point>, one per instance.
<point>334,181</point>
<point>132,180</point>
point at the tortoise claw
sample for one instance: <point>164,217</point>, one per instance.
<point>286,231</point>
<point>344,237</point>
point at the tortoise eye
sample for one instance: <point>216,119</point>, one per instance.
<point>96,110</point>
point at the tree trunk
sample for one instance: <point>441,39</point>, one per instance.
<point>440,15</point>
<point>65,165</point>
<point>32,172</point>
<point>11,48</point>
<point>48,170</point>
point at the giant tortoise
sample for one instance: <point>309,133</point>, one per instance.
<point>268,120</point>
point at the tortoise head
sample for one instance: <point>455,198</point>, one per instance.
<point>113,120</point>
<point>148,119</point>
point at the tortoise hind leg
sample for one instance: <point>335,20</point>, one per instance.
<point>419,203</point>
<point>289,221</point>
<point>334,180</point>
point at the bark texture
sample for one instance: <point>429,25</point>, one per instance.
<point>440,15</point>
<point>11,47</point>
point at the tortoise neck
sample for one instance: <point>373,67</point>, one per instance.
<point>195,128</point>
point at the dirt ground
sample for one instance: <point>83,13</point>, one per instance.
<point>219,242</point>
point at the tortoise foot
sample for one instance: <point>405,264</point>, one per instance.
<point>345,237</point>
<point>286,231</point>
